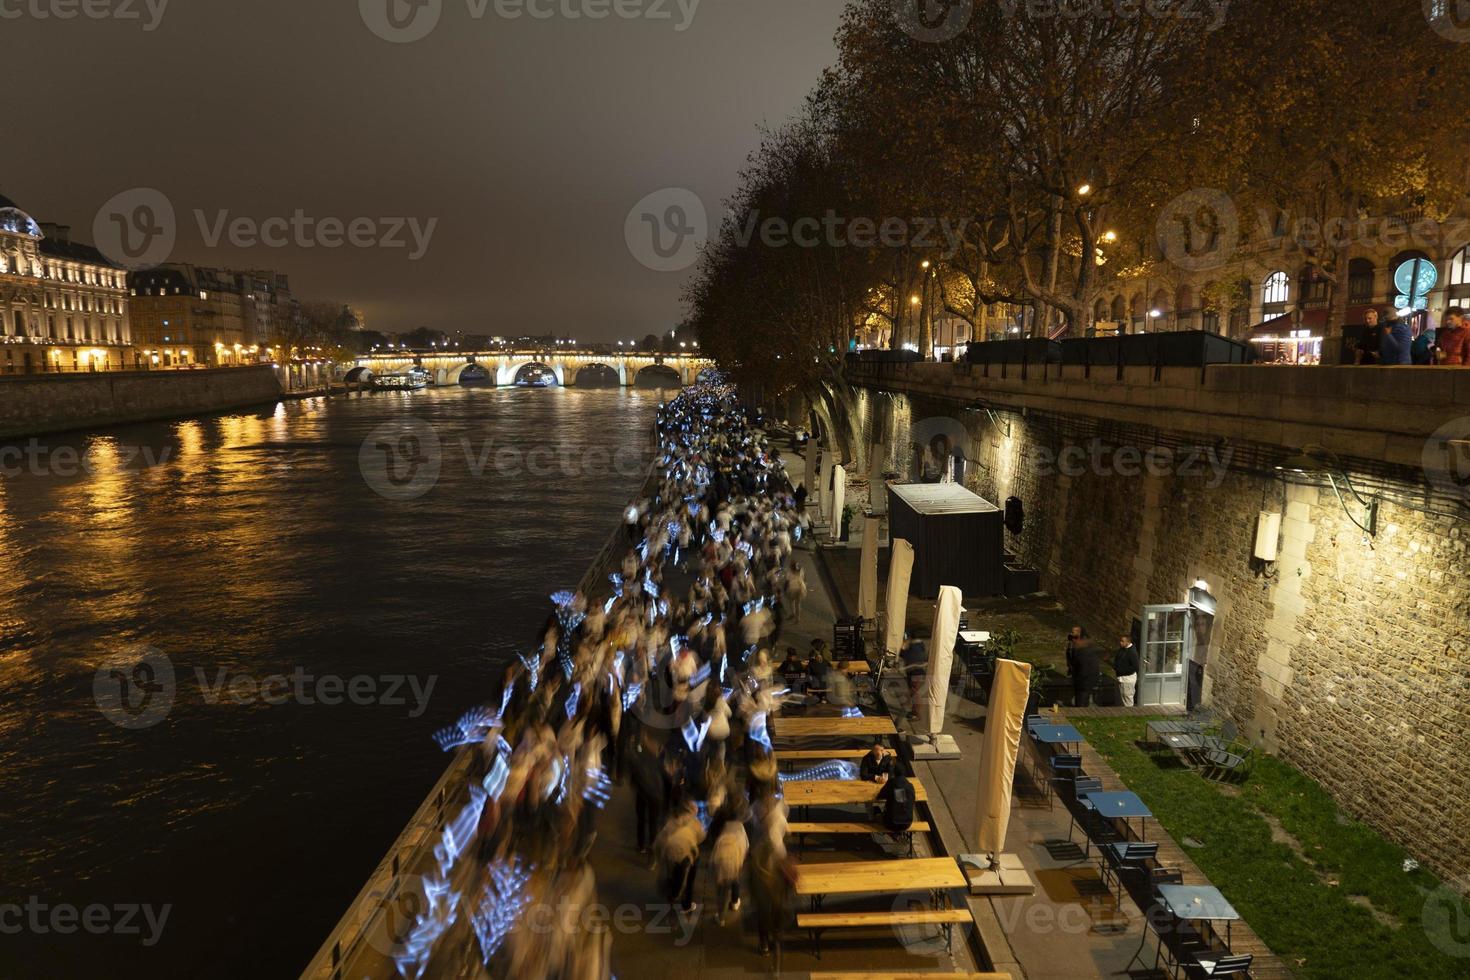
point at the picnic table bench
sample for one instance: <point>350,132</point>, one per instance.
<point>946,919</point>
<point>908,976</point>
<point>803,829</point>
<point>832,727</point>
<point>829,792</point>
<point>935,875</point>
<point>801,755</point>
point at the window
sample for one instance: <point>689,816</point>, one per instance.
<point>1276,288</point>
<point>1313,287</point>
<point>1460,267</point>
<point>1360,282</point>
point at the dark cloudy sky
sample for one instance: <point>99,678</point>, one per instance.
<point>529,139</point>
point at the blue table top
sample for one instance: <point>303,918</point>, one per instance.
<point>1055,734</point>
<point>1197,902</point>
<point>1120,804</point>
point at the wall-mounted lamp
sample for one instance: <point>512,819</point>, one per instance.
<point>1310,462</point>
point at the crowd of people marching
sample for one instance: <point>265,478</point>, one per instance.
<point>667,684</point>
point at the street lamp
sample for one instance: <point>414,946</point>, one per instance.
<point>1110,236</point>
<point>1084,190</point>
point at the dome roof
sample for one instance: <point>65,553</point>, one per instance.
<point>16,221</point>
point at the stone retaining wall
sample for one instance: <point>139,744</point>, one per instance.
<point>1347,657</point>
<point>36,404</point>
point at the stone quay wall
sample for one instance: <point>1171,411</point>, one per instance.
<point>1348,657</point>
<point>37,404</point>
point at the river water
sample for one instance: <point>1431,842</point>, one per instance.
<point>226,642</point>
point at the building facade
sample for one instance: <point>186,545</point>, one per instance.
<point>1261,289</point>
<point>63,305</point>
<point>187,315</point>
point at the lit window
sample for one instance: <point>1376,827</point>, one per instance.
<point>1277,286</point>
<point>1460,268</point>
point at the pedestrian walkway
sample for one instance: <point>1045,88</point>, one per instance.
<point>652,942</point>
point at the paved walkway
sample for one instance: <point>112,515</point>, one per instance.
<point>653,943</point>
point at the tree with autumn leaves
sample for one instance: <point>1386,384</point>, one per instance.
<point>1041,153</point>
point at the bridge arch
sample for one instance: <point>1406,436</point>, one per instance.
<point>599,375</point>
<point>658,376</point>
<point>512,372</point>
<point>361,374</point>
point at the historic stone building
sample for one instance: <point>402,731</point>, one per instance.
<point>1253,283</point>
<point>186,314</point>
<point>63,305</point>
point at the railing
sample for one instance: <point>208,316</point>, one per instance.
<point>415,844</point>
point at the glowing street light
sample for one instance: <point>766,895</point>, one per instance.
<point>1084,190</point>
<point>1110,236</point>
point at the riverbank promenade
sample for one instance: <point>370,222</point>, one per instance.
<point>1075,927</point>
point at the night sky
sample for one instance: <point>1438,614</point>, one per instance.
<point>529,139</point>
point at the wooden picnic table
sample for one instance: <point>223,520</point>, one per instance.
<point>866,726</point>
<point>825,792</point>
<point>890,876</point>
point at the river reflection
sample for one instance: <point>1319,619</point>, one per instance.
<point>244,548</point>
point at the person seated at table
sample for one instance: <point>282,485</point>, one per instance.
<point>877,765</point>
<point>792,668</point>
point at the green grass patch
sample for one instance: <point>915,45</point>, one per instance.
<point>1325,893</point>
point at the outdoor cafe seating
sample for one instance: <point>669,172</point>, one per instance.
<point>1184,917</point>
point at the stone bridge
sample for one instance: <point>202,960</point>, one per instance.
<point>570,367</point>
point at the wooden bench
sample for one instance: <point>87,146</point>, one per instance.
<point>909,976</point>
<point>802,829</point>
<point>867,726</point>
<point>832,792</point>
<point>799,755</point>
<point>816,922</point>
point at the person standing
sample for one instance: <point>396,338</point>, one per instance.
<point>1452,346</point>
<point>678,851</point>
<point>1084,667</point>
<point>1367,351</point>
<point>1125,666</point>
<point>728,861</point>
<point>1395,348</point>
